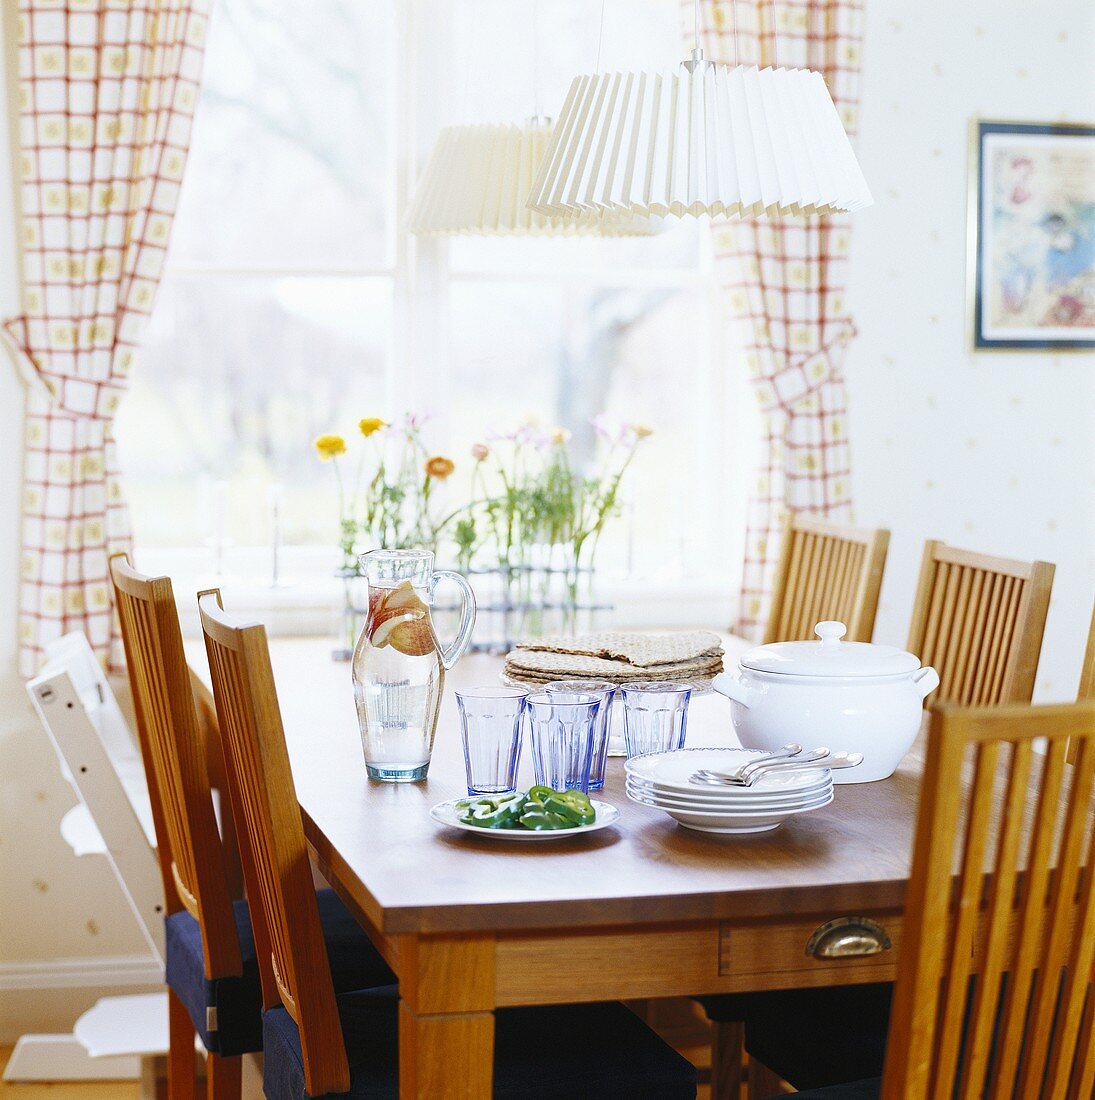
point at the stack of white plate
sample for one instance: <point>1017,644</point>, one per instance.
<point>662,780</point>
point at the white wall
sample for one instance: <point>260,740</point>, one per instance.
<point>63,922</point>
<point>994,451</point>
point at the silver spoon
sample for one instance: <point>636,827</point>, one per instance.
<point>834,763</point>
<point>739,775</point>
<point>779,754</point>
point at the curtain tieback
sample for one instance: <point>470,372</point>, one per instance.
<point>806,374</point>
<point>74,396</point>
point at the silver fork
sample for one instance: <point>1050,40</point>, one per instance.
<point>835,762</point>
<point>779,754</point>
<point>739,775</point>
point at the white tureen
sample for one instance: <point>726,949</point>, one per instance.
<point>849,696</point>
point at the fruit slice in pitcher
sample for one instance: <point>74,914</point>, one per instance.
<point>414,637</point>
<point>400,619</point>
<point>403,598</point>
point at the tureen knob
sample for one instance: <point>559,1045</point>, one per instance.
<point>830,633</point>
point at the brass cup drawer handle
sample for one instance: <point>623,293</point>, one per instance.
<point>848,937</point>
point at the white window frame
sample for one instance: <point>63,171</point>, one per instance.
<point>419,376</point>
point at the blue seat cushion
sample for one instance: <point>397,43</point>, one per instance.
<point>355,964</point>
<point>575,1050</point>
<point>813,1037</point>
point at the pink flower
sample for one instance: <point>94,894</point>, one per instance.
<point>612,430</point>
<point>480,451</point>
<point>415,420</point>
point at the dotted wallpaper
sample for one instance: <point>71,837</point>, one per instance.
<point>994,451</point>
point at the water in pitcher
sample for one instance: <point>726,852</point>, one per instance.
<point>397,683</point>
<point>399,666</point>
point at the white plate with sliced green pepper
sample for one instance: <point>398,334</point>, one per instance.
<point>539,813</point>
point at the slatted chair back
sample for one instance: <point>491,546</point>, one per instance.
<point>192,858</point>
<point>978,621</point>
<point>1087,670</point>
<point>289,940</point>
<point>993,995</point>
<point>826,571</point>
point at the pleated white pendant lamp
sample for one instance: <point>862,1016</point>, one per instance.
<point>703,139</point>
<point>478,179</point>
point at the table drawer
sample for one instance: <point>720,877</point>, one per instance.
<point>810,951</point>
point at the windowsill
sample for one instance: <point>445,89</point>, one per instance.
<point>309,598</point>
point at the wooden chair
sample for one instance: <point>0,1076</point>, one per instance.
<point>1086,688</point>
<point>310,1038</point>
<point>192,859</point>
<point>993,994</point>
<point>826,571</point>
<point>978,620</point>
<point>212,971</point>
<point>1087,669</point>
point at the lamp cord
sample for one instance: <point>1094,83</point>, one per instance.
<point>600,38</point>
<point>535,60</point>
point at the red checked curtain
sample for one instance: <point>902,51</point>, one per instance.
<point>107,93</point>
<point>783,282</point>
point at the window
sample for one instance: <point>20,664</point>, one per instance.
<point>295,303</point>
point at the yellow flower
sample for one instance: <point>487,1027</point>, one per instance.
<point>439,467</point>
<point>371,425</point>
<point>330,446</point>
<point>642,431</point>
<point>560,436</point>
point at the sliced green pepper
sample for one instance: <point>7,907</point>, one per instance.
<point>572,805</point>
<point>542,821</point>
<point>495,812</point>
<point>557,804</point>
<point>541,809</point>
<point>486,817</point>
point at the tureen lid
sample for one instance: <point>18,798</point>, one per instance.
<point>830,656</point>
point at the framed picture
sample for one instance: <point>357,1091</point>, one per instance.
<point>1031,236</point>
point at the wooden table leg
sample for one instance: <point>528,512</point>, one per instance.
<point>449,1056</point>
<point>446,1017</point>
<point>727,1060</point>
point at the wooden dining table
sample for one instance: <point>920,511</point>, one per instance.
<point>644,909</point>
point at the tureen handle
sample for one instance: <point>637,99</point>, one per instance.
<point>830,632</point>
<point>926,680</point>
<point>730,686</point>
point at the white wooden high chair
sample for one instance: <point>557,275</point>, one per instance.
<point>119,1036</point>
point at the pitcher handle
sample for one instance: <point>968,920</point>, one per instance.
<point>454,652</point>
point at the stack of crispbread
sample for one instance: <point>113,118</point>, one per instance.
<point>619,658</point>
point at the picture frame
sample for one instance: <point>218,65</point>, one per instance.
<point>1031,236</point>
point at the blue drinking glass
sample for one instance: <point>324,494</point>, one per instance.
<point>604,691</point>
<point>561,737</point>
<point>490,725</point>
<point>655,716</point>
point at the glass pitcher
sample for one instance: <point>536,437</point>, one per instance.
<point>399,665</point>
